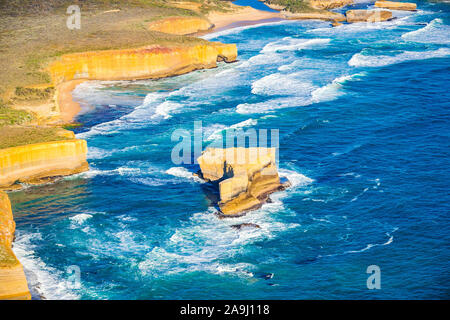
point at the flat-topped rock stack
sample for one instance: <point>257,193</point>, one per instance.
<point>245,176</point>
<point>408,6</point>
<point>368,15</point>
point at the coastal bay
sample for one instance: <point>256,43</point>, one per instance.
<point>307,79</point>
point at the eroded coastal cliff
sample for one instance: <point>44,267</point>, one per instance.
<point>245,177</point>
<point>13,284</point>
<point>35,163</point>
<point>143,63</point>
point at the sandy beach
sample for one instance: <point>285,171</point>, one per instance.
<point>67,107</point>
<point>240,14</point>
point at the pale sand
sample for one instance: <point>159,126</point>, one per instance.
<point>239,14</point>
<point>67,107</point>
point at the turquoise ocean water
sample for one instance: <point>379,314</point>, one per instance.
<point>363,118</point>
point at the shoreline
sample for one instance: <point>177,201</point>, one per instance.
<point>222,20</point>
<point>69,109</point>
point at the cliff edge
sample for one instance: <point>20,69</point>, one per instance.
<point>35,163</point>
<point>13,284</point>
<point>143,63</point>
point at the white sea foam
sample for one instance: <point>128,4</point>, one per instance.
<point>361,60</point>
<point>290,44</point>
<point>122,171</point>
<point>140,115</point>
<point>91,93</point>
<point>330,91</point>
<point>216,131</point>
<point>242,28</point>
<point>272,105</point>
<point>302,91</point>
<point>166,109</point>
<point>296,179</point>
<point>282,84</point>
<point>200,243</point>
<point>183,173</point>
<point>269,58</point>
<point>80,218</point>
<point>43,279</point>
<point>434,32</point>
<point>367,247</point>
<point>98,153</point>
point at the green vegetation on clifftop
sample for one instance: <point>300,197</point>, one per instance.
<point>19,136</point>
<point>295,6</point>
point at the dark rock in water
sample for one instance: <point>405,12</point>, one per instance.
<point>269,200</point>
<point>306,261</point>
<point>265,276</point>
<point>244,225</point>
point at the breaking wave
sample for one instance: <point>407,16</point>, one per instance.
<point>290,44</point>
<point>361,60</point>
<point>434,32</point>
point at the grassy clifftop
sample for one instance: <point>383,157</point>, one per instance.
<point>294,6</point>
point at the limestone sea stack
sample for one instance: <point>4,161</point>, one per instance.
<point>181,25</point>
<point>34,163</point>
<point>245,176</point>
<point>325,15</point>
<point>13,284</point>
<point>408,6</point>
<point>368,15</point>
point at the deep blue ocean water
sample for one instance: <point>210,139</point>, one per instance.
<point>254,4</point>
<point>363,118</point>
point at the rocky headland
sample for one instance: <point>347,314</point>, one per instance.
<point>40,162</point>
<point>150,62</point>
<point>408,6</point>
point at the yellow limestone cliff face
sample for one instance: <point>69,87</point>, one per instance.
<point>181,25</point>
<point>142,63</point>
<point>246,176</point>
<point>325,15</point>
<point>35,162</point>
<point>408,6</point>
<point>368,15</point>
<point>13,284</point>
